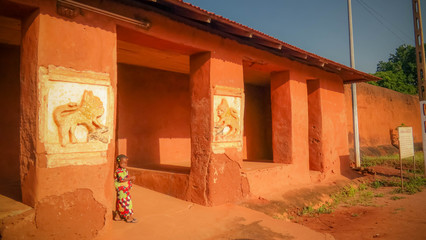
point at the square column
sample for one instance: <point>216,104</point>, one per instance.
<point>289,107</point>
<point>201,125</point>
<point>68,85</point>
<point>217,102</point>
<point>316,151</point>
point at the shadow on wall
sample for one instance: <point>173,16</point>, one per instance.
<point>153,116</point>
<point>345,168</point>
<point>9,121</point>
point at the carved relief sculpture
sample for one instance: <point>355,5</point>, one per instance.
<point>228,125</point>
<point>68,116</point>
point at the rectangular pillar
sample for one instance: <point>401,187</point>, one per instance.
<point>29,108</point>
<point>316,155</point>
<point>201,125</point>
<point>289,119</point>
<point>68,86</point>
<point>217,102</point>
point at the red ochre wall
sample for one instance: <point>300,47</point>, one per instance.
<point>379,110</point>
<point>334,143</point>
<point>63,196</point>
<point>9,121</point>
<point>257,123</point>
<point>153,115</point>
<point>315,125</point>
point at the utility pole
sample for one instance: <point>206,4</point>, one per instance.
<point>353,88</point>
<point>420,59</point>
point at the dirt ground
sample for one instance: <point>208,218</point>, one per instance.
<point>386,215</point>
<point>388,219</point>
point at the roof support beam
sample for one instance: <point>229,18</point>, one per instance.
<point>192,15</point>
<point>266,43</point>
<point>295,54</point>
<point>331,68</point>
<point>316,62</point>
<point>231,29</point>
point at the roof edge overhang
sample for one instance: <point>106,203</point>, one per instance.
<point>196,17</point>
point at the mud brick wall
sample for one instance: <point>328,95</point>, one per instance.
<point>379,111</point>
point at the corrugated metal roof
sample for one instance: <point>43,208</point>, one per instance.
<point>208,21</point>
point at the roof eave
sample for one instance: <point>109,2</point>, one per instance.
<point>207,21</point>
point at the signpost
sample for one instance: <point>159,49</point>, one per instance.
<point>406,148</point>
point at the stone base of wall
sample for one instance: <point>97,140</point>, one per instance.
<point>382,150</point>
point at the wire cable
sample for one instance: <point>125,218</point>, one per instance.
<point>408,36</point>
<point>374,13</point>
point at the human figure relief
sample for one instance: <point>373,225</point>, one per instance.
<point>228,125</point>
<point>67,117</point>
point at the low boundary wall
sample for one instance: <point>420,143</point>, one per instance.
<point>379,111</point>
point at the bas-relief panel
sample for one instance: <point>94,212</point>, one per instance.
<point>76,116</point>
<point>228,107</point>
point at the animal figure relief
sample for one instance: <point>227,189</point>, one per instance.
<point>394,136</point>
<point>67,117</point>
<point>228,125</point>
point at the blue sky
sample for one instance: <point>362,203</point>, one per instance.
<point>321,26</point>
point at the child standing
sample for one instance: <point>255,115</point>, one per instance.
<point>123,184</point>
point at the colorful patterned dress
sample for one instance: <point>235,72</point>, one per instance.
<point>124,201</point>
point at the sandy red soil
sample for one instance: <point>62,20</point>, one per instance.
<point>391,219</point>
<point>403,218</point>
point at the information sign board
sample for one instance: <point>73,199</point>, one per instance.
<point>406,146</point>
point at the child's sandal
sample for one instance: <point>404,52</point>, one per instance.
<point>133,220</point>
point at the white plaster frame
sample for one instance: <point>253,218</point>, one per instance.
<point>219,146</point>
<point>52,78</point>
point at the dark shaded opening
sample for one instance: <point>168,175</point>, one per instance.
<point>257,123</point>
<point>10,184</point>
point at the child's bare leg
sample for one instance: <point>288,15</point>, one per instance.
<point>117,216</point>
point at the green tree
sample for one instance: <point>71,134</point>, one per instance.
<point>399,73</point>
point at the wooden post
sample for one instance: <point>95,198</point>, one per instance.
<point>414,168</point>
<point>421,67</point>
<point>402,177</point>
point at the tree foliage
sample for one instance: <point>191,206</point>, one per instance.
<point>399,73</point>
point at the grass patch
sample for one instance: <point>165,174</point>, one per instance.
<point>349,195</point>
<point>390,182</point>
<point>412,186</point>
<point>363,195</point>
<point>352,195</point>
<point>323,209</point>
<point>309,210</point>
<point>379,195</point>
<point>393,161</point>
